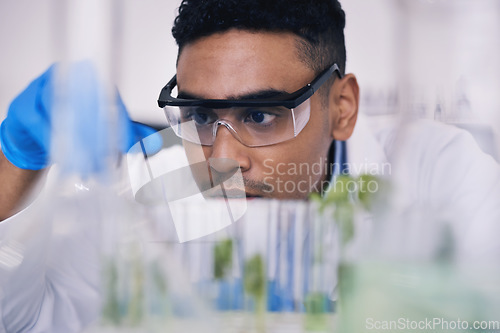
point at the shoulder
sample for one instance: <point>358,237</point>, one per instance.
<point>423,138</point>
<point>440,174</point>
<point>427,140</point>
<point>435,161</point>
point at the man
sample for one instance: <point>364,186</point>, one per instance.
<point>234,56</point>
<point>275,57</point>
<point>264,54</point>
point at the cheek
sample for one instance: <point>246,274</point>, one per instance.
<point>297,167</point>
<point>295,173</point>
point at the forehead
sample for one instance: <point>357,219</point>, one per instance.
<point>237,62</point>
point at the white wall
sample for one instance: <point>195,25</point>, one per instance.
<point>149,55</point>
<point>24,38</point>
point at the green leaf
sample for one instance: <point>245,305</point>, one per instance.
<point>368,186</point>
<point>223,258</point>
<point>111,308</point>
<point>344,215</point>
<point>254,279</point>
<point>316,303</point>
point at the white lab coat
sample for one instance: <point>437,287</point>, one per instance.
<point>440,172</point>
<point>50,280</point>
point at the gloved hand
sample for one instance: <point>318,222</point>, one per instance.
<point>25,134</point>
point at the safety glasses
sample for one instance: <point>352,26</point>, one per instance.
<point>254,122</point>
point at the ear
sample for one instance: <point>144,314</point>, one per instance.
<point>343,107</point>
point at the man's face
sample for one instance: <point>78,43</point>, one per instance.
<point>237,63</point>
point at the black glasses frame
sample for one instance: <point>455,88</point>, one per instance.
<point>290,101</point>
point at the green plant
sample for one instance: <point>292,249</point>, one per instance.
<point>255,280</point>
<point>223,257</point>
<point>346,195</point>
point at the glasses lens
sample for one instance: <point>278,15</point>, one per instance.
<point>253,126</point>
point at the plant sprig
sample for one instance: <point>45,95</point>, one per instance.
<point>347,194</point>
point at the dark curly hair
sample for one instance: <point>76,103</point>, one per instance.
<point>319,23</point>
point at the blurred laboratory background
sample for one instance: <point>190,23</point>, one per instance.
<point>433,59</point>
<point>414,59</point>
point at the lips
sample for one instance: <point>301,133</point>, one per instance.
<point>252,196</point>
<point>219,192</point>
<point>230,193</point>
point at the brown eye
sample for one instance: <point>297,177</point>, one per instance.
<point>200,118</point>
<point>259,117</point>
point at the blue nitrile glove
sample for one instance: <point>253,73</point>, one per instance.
<point>25,134</point>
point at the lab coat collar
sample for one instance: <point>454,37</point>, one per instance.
<point>365,153</point>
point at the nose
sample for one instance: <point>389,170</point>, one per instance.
<point>227,153</point>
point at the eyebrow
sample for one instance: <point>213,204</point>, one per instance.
<point>262,94</point>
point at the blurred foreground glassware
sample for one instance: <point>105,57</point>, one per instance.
<point>144,285</point>
<point>137,286</point>
<point>403,285</point>
<point>273,270</point>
